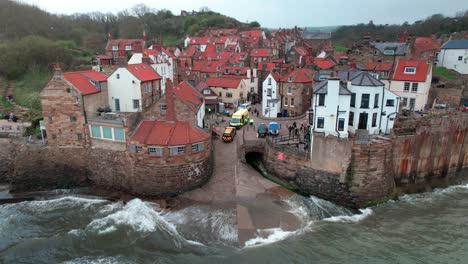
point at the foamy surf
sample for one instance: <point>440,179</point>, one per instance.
<point>268,236</point>
<point>351,218</point>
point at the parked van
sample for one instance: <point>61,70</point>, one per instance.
<point>247,106</point>
<point>240,118</point>
<point>229,133</point>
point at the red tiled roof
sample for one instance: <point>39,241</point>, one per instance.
<point>201,86</point>
<point>299,76</point>
<point>137,44</point>
<point>422,68</point>
<point>143,72</point>
<point>200,40</point>
<point>324,64</point>
<point>189,52</point>
<point>191,97</point>
<point>81,80</point>
<point>260,52</point>
<point>212,66</point>
<point>378,66</point>
<point>168,133</point>
<point>426,44</point>
<point>268,67</point>
<point>251,33</point>
<point>338,55</point>
<point>301,51</point>
<point>169,53</point>
<point>223,82</point>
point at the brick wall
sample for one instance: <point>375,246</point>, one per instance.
<point>302,94</point>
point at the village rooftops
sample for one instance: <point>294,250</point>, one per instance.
<point>298,76</point>
<point>456,44</point>
<point>315,35</point>
<point>189,95</point>
<point>168,133</point>
<point>87,82</point>
<point>260,52</point>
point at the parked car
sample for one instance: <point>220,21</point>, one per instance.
<point>229,133</point>
<point>273,128</point>
<point>262,130</point>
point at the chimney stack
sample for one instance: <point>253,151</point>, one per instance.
<point>57,70</point>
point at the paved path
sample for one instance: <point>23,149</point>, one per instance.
<point>237,185</point>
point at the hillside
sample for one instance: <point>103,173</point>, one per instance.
<point>434,25</point>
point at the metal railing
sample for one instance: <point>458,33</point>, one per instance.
<point>283,144</point>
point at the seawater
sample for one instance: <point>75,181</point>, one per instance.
<point>423,228</point>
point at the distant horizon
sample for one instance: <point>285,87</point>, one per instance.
<point>276,13</point>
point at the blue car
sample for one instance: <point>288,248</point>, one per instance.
<point>273,129</point>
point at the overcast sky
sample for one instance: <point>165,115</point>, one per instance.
<point>280,13</point>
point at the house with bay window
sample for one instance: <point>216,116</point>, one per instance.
<point>133,88</point>
<point>411,81</point>
<point>360,103</point>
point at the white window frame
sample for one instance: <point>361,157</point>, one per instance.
<point>414,87</point>
<point>101,131</point>
<point>410,70</point>
<point>155,151</point>
<point>163,107</point>
<point>198,147</point>
<point>176,150</point>
<point>404,86</point>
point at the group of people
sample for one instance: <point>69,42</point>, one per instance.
<point>294,130</point>
<point>10,117</point>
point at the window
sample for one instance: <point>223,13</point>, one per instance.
<point>414,88</point>
<point>107,132</point>
<point>353,100</point>
<point>95,131</point>
<point>73,119</point>
<point>177,150</point>
<point>115,47</point>
<point>163,107</point>
<point>68,90</point>
<point>320,122</point>
<point>117,105</point>
<point>351,119</point>
<point>251,89</point>
<point>286,101</point>
<point>197,147</point>
<point>289,90</point>
<point>460,58</point>
<point>390,102</point>
<point>374,120</point>
<point>136,104</point>
<point>155,151</point>
<point>220,94</point>
<point>269,81</point>
<point>412,103</point>
<point>321,101</point>
<point>404,102</point>
<point>138,149</point>
<point>292,102</point>
<point>128,47</point>
<point>341,124</point>
<point>119,134</point>
<point>365,101</point>
<point>269,92</point>
<point>376,101</point>
<point>79,136</point>
<point>410,70</point>
<point>50,119</point>
<point>407,86</point>
<point>206,92</point>
<point>389,52</point>
<point>229,95</point>
<point>118,76</point>
<point>252,80</point>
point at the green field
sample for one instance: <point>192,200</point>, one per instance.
<point>340,48</point>
<point>444,72</point>
<point>28,87</point>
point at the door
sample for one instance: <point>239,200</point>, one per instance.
<point>117,105</point>
<point>363,120</point>
<point>285,113</point>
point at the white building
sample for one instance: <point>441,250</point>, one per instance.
<point>133,88</point>
<point>271,101</point>
<point>373,107</point>
<point>454,55</point>
<point>411,81</point>
<point>331,105</point>
<point>158,62</point>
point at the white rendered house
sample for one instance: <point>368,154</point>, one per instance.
<point>271,100</point>
<point>454,55</point>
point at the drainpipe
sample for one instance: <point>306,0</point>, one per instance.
<point>336,121</point>
<point>381,109</point>
<point>394,113</point>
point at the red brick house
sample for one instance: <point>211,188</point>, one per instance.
<point>121,48</point>
<point>296,91</point>
<point>260,55</point>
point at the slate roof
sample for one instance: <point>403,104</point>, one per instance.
<point>322,88</point>
<point>399,48</point>
<point>365,79</point>
<point>456,44</point>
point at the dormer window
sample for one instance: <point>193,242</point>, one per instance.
<point>218,68</point>
<point>290,79</point>
<point>128,47</point>
<point>115,47</point>
<point>389,52</point>
<point>410,70</point>
<point>226,71</point>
